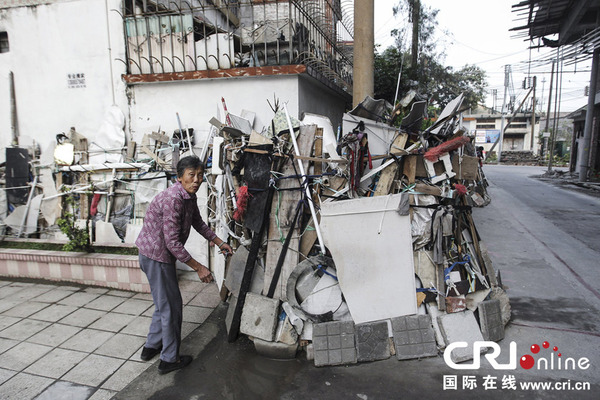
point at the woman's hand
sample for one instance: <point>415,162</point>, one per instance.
<point>204,274</point>
<point>226,249</point>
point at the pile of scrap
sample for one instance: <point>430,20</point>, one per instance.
<point>363,246</point>
<point>353,246</point>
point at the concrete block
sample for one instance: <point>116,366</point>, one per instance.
<point>460,327</point>
<point>434,312</point>
<point>235,273</point>
<point>414,337</point>
<point>276,350</point>
<point>456,304</point>
<point>334,343</point>
<point>500,294</point>
<point>230,311</point>
<point>473,299</point>
<point>259,317</point>
<point>310,352</point>
<point>490,320</point>
<point>372,341</point>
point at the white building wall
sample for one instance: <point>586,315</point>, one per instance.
<point>47,43</point>
<point>50,41</point>
<point>155,105</point>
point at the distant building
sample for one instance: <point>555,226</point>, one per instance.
<point>486,125</point>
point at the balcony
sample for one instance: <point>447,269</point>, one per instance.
<point>178,40</point>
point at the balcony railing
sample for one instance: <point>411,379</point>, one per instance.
<point>180,36</point>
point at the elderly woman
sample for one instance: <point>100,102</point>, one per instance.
<point>167,225</point>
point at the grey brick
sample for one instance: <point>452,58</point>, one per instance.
<point>462,327</point>
<point>332,345</point>
<point>372,341</point>
<point>414,337</point>
<point>490,320</point>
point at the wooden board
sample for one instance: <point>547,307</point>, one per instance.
<point>280,221</point>
<point>465,167</point>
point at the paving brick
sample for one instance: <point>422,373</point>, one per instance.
<point>23,329</point>
<point>196,315</point>
<point>113,322</point>
<point>121,346</point>
<point>334,343</point>
<point>60,389</point>
<point>125,374</point>
<point>82,317</point>
<point>414,337</point>
<point>25,309</point>
<point>460,327</point>
<point>54,335</point>
<point>24,386</point>
<point>104,303</point>
<point>56,363</point>
<point>490,320</point>
<point>23,355</point>
<point>87,340</point>
<point>372,341</point>
<point>133,307</point>
<point>53,312</point>
<point>93,370</point>
<point>259,317</point>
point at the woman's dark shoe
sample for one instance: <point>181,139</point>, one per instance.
<point>166,367</point>
<point>149,353</point>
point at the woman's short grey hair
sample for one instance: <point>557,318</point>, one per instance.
<point>188,162</point>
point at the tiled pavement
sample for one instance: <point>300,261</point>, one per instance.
<point>81,342</point>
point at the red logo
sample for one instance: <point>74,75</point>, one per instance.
<point>527,361</point>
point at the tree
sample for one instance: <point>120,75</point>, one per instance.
<point>439,83</point>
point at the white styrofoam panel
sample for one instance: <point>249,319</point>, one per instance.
<point>371,246</point>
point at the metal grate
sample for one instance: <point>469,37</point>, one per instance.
<point>180,36</point>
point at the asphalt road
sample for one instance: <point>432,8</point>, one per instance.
<point>544,241</point>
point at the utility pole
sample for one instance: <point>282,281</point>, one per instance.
<point>584,154</point>
<point>416,10</point>
<point>364,53</point>
<point>506,83</point>
<point>14,124</point>
<point>533,116</point>
<point>546,131</point>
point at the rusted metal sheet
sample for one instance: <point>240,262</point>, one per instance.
<point>212,74</point>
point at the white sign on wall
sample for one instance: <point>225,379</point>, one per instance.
<point>76,80</point>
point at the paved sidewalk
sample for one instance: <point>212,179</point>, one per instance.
<point>65,341</point>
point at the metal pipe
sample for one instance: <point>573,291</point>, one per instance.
<point>303,173</point>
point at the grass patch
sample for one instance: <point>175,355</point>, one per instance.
<point>6,244</point>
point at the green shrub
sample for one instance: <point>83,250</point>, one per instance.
<point>79,239</point>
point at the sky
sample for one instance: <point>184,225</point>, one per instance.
<point>477,32</point>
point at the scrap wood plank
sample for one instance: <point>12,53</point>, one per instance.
<point>160,137</point>
<point>286,201</point>
<point>160,162</point>
<point>303,158</point>
<point>410,168</point>
<point>307,240</point>
<point>318,154</point>
<point>387,176</point>
<point>131,146</point>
